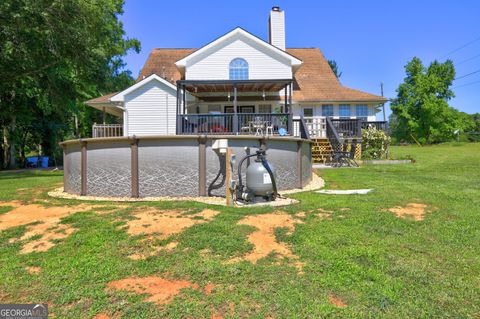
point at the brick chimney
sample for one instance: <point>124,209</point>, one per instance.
<point>276,28</point>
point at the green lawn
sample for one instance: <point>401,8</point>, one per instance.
<point>376,263</point>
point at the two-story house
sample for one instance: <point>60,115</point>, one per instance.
<point>236,84</point>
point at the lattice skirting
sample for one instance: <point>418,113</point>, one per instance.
<point>322,151</point>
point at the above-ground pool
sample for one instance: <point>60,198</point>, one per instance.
<point>157,166</point>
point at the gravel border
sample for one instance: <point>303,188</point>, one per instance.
<point>315,184</point>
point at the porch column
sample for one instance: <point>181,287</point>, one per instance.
<point>235,116</point>
<point>179,122</point>
<point>290,109</point>
<point>285,110</point>
<point>184,99</point>
<point>104,115</point>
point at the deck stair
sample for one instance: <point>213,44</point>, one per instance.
<point>321,150</point>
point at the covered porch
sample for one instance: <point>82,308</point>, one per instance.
<point>231,107</point>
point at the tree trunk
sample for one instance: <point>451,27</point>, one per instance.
<point>2,157</point>
<point>5,148</point>
<point>12,162</point>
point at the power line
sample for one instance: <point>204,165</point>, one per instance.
<point>461,47</point>
<point>466,84</point>
<point>464,76</point>
<point>466,60</point>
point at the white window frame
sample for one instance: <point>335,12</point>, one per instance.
<point>332,108</point>
<point>308,108</point>
<point>340,111</point>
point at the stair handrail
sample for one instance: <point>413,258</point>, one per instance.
<point>331,127</point>
<point>304,133</point>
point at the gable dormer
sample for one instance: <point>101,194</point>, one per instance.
<point>242,51</point>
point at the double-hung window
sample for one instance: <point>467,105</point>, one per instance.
<point>327,110</point>
<point>344,111</point>
<point>307,111</point>
<point>362,112</point>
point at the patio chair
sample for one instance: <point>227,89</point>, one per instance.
<point>246,128</point>
<point>346,157</point>
<point>269,128</point>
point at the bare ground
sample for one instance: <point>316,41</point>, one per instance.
<point>263,239</point>
<point>411,210</point>
<point>161,291</point>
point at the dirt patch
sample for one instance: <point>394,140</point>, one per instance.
<point>319,212</point>
<point>336,301</point>
<point>161,291</point>
<point>101,316</point>
<point>47,228</point>
<point>48,232</point>
<point>209,288</point>
<point>27,214</point>
<point>263,239</point>
<point>33,269</point>
<point>162,224</point>
<point>154,251</point>
<point>411,210</point>
<point>301,214</point>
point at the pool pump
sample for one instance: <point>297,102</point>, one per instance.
<point>260,179</point>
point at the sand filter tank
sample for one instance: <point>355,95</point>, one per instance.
<point>260,179</point>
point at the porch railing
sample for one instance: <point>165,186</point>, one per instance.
<point>346,128</point>
<point>228,123</point>
<point>379,125</point>
<point>300,128</point>
<point>317,126</point>
<point>107,130</point>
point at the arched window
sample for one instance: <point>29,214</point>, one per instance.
<point>238,69</point>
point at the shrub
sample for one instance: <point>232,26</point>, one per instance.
<point>375,143</point>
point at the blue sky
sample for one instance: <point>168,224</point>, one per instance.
<point>370,40</point>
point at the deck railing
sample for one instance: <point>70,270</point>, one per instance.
<point>379,125</point>
<point>107,130</point>
<point>317,126</point>
<point>300,128</point>
<point>229,123</point>
<point>347,128</point>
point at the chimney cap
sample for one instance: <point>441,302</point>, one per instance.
<point>275,8</point>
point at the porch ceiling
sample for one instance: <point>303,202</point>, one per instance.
<point>212,86</point>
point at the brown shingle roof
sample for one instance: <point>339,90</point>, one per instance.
<point>162,63</point>
<point>314,80</point>
<point>101,99</point>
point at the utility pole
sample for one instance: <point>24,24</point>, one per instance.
<point>383,105</point>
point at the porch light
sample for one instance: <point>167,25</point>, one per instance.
<point>263,95</point>
<point>228,96</point>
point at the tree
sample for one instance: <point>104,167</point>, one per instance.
<point>54,54</point>
<point>476,120</point>
<point>421,111</point>
<point>334,66</point>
